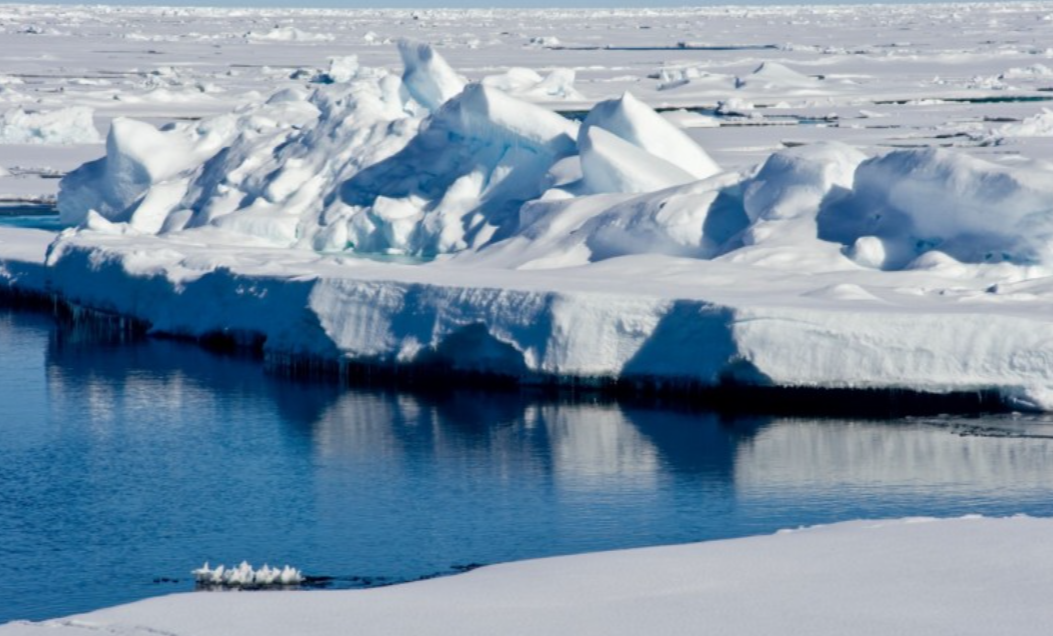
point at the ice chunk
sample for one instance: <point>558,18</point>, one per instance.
<point>427,76</point>
<point>611,164</point>
<point>475,161</point>
<point>244,575</point>
<point>639,125</point>
<point>737,107</point>
<point>341,69</point>
<point>138,156</point>
<point>72,125</point>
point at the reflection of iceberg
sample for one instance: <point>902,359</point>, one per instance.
<point>579,444</point>
<point>809,456</point>
<point>592,444</point>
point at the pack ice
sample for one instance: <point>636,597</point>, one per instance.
<point>420,219</point>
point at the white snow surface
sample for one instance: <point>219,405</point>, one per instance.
<point>963,576</point>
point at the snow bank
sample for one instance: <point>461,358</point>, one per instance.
<point>967,576</point>
<point>64,126</point>
<point>921,202</point>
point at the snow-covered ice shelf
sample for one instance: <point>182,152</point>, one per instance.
<point>856,208</point>
<point>954,576</point>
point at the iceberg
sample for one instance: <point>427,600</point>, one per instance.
<point>414,220</point>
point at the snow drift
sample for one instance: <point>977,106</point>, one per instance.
<point>922,201</point>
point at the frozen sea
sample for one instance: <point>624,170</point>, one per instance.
<point>126,465</point>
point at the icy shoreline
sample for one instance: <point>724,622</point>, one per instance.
<point>971,575</point>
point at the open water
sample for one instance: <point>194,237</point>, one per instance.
<point>125,465</point>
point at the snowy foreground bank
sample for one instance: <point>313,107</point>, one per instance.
<point>413,218</point>
<point>916,576</point>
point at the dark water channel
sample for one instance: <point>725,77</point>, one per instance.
<point>124,466</point>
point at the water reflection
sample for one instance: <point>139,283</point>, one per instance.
<point>124,462</point>
<point>916,458</point>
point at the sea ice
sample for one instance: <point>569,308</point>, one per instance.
<point>73,125</point>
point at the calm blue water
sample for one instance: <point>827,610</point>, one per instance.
<point>121,465</point>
